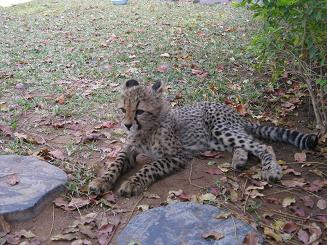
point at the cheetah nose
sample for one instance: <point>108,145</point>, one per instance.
<point>128,126</point>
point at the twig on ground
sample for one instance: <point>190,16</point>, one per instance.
<point>243,189</point>
<point>201,177</point>
<point>286,215</point>
<point>235,231</point>
<point>290,190</point>
<point>317,163</point>
<point>190,178</point>
<point>113,232</point>
<point>276,192</point>
<point>53,217</point>
<point>56,136</point>
<point>119,211</point>
<point>245,203</point>
<point>132,212</point>
<point>138,201</point>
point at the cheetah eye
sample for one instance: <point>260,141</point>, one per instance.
<point>123,110</point>
<point>139,112</point>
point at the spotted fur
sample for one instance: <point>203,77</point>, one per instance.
<point>173,136</point>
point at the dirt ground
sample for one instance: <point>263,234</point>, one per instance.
<point>53,220</point>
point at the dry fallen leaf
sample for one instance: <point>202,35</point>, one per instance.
<point>4,106</point>
<point>290,227</point>
<point>251,239</point>
<point>163,68</point>
<point>214,235</point>
<point>4,226</point>
<point>300,157</point>
<point>25,233</point>
<point>303,236</point>
<point>110,197</point>
<point>220,68</point>
<point>107,124</point>
<point>90,137</point>
<point>61,99</point>
<point>6,130</point>
<point>317,172</point>
<point>87,230</point>
<point>143,207</point>
<point>199,73</point>
<point>58,154</point>
<point>241,109</point>
<point>297,211</point>
<point>287,201</point>
<point>273,200</point>
<point>316,185</point>
<point>291,171</point>
<point>65,237</point>
<point>212,154</point>
<point>60,202</point>
<point>165,55</point>
<point>78,202</point>
<point>322,204</point>
<point>115,149</point>
<point>151,195</point>
<point>12,239</point>
<point>223,215</point>
<point>81,242</point>
<point>12,179</point>
<point>253,192</point>
<point>30,139</point>
<point>307,201</point>
<point>315,233</point>
<point>85,219</point>
<point>270,232</point>
<point>208,197</point>
<point>297,182</point>
<point>233,195</point>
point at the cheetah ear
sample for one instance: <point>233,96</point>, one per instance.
<point>131,83</point>
<point>158,87</point>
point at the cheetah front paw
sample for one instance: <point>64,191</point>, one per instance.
<point>272,172</point>
<point>99,186</point>
<point>129,188</point>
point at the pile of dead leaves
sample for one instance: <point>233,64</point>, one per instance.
<point>92,226</point>
<point>22,237</point>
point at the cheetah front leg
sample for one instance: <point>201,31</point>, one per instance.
<point>149,174</point>
<point>125,160</point>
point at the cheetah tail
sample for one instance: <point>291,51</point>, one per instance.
<point>300,140</point>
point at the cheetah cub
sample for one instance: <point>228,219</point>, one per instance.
<point>173,136</point>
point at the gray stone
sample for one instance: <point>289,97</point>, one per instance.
<point>38,183</point>
<point>183,223</point>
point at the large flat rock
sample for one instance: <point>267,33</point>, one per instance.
<point>183,223</point>
<point>38,182</point>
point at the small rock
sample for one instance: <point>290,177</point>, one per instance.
<point>39,182</point>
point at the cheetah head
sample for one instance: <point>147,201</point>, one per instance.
<point>141,105</point>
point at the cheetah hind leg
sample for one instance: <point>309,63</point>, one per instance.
<point>272,171</point>
<point>240,157</point>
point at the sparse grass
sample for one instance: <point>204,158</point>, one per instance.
<point>83,50</point>
<point>45,42</point>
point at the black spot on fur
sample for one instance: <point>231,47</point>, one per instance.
<point>131,83</point>
<point>156,85</point>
